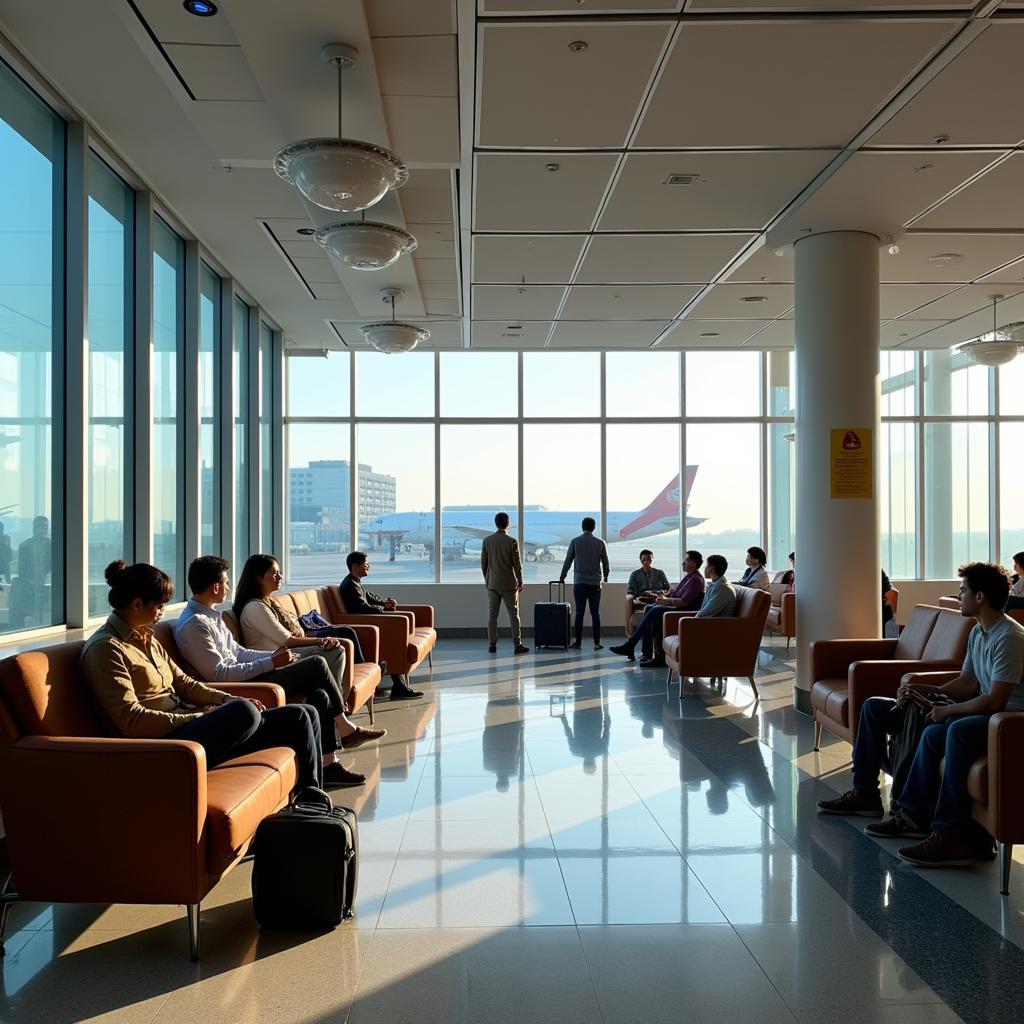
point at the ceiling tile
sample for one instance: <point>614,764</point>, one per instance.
<point>607,334</point>
<point>777,334</point>
<point>497,334</point>
<point>171,23</point>
<point>304,247</point>
<point>514,192</point>
<point>533,302</point>
<point>722,198</point>
<point>711,333</point>
<point>316,271</point>
<point>901,332</point>
<point>576,7</point>
<point>443,334</point>
<point>518,258</point>
<point>424,129</point>
<point>857,6</point>
<point>439,290</point>
<point>428,247</point>
<point>899,299</point>
<point>416,65</point>
<point>216,72</point>
<point>968,299</point>
<point>766,266</point>
<point>995,200</point>
<point>330,291</point>
<point>726,302</point>
<point>789,83</point>
<point>427,205</point>
<point>988,68</point>
<point>535,92</point>
<point>409,17</point>
<point>981,254</point>
<point>1012,274</point>
<point>658,259</point>
<point>626,302</point>
<point>878,192</point>
<point>435,270</point>
<point>447,307</point>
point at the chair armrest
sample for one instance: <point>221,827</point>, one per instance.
<point>928,678</point>
<point>424,614</point>
<point>670,621</point>
<point>270,694</point>
<point>788,623</point>
<point>882,679</point>
<point>369,641</point>
<point>394,630</point>
<point>1005,768</point>
<point>831,659</point>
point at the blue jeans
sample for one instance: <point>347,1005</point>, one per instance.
<point>943,800</point>
<point>343,633</point>
<point>879,718</point>
<point>648,629</point>
<point>587,594</point>
<point>237,728</point>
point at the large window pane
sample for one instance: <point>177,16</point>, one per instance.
<point>781,383</point>
<point>898,479</point>
<point>31,150</point>
<point>240,417</point>
<point>266,390</point>
<point>165,476</point>
<point>956,482</point>
<point>479,468</point>
<point>1011,492</point>
<point>111,204</point>
<point>899,383</point>
<point>561,485</point>
<point>396,500</point>
<point>386,384</point>
<point>319,385</point>
<point>723,384</point>
<point>642,384</point>
<point>954,386</point>
<point>643,497</point>
<point>562,384</point>
<point>781,459</point>
<point>319,500</point>
<point>1011,388</point>
<point>209,361</point>
<point>726,496</point>
<point>484,384</point>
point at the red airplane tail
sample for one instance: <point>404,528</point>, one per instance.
<point>667,503</point>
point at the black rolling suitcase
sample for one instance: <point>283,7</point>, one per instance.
<point>306,861</point>
<point>551,619</point>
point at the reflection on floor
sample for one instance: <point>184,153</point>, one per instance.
<point>558,838</point>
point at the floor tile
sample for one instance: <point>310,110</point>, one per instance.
<point>510,976</point>
<point>482,837</point>
<point>471,797</point>
<point>664,974</point>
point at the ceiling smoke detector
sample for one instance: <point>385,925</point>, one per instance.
<point>392,336</point>
<point>344,175</point>
<point>365,244</point>
<point>682,179</point>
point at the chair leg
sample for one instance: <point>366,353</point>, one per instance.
<point>430,659</point>
<point>817,736</point>
<point>369,708</point>
<point>1005,863</point>
<point>787,643</point>
<point>753,686</point>
<point>7,900</point>
<point>192,914</point>
<point>668,679</point>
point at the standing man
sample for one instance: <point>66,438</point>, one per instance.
<point>590,554</point>
<point>503,576</point>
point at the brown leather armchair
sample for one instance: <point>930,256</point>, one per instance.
<point>781,619</point>
<point>150,822</point>
<point>725,646</point>
<point>846,672</point>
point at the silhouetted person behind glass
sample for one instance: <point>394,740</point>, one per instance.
<point>591,725</point>
<point>503,736</point>
<point>29,603</point>
<point>5,555</point>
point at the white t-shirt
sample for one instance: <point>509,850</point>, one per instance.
<point>261,628</point>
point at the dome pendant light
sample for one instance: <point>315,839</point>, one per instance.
<point>365,244</point>
<point>341,174</point>
<point>998,350</point>
<point>391,336</point>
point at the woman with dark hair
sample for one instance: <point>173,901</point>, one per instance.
<point>146,696</point>
<point>1015,602</point>
<point>756,576</point>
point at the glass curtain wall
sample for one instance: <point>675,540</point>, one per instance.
<point>31,247</point>
<point>209,374</point>
<point>240,419</point>
<point>111,231</point>
<point>266,467</point>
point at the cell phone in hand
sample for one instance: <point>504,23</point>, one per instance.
<point>930,700</point>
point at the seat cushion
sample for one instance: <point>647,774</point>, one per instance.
<point>832,696</point>
<point>775,617</point>
<point>239,794</point>
<point>977,780</point>
<point>420,644</point>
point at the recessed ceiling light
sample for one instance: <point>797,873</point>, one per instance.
<point>753,298</point>
<point>306,231</point>
<point>946,259</point>
<point>578,46</point>
<point>200,8</point>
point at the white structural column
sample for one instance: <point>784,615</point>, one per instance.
<point>838,570</point>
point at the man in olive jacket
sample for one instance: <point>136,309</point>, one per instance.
<point>503,575</point>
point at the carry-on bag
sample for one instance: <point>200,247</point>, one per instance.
<point>306,860</point>
<point>551,619</point>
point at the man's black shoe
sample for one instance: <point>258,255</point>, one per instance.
<point>404,693</point>
<point>521,649</point>
<point>652,663</point>
<point>624,649</point>
<point>576,645</point>
<point>492,648</point>
<point>338,775</point>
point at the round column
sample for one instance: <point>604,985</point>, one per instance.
<point>837,517</point>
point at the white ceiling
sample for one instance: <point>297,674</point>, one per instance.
<point>539,188</point>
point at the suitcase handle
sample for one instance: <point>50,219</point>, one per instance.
<point>313,795</point>
<point>561,589</point>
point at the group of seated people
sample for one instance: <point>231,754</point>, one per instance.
<point>145,694</point>
<point>652,598</point>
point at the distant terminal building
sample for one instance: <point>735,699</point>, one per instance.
<point>318,496</point>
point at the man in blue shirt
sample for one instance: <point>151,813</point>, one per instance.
<point>932,805</point>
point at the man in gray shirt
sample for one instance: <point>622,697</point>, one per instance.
<point>720,595</point>
<point>590,555</point>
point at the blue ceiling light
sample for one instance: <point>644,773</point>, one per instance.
<point>200,8</point>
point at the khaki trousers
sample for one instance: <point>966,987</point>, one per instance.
<point>494,601</point>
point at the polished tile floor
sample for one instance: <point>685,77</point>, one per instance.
<point>554,838</point>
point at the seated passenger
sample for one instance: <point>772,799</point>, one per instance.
<point>934,804</point>
<point>146,696</point>
<point>889,627</point>
<point>720,595</point>
<point>206,642</point>
<point>687,596</point>
<point>789,576</point>
<point>365,602</point>
<point>756,575</point>
<point>1016,599</point>
<point>646,583</point>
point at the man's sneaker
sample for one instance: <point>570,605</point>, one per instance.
<point>576,645</point>
<point>361,736</point>
<point>864,805</point>
<point>338,775</point>
<point>899,823</point>
<point>521,649</point>
<point>492,648</point>
<point>598,646</point>
<point>937,852</point>
<point>623,649</point>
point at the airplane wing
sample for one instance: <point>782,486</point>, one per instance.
<point>470,531</point>
<point>531,541</point>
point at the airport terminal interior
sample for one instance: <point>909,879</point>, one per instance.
<point>307,279</point>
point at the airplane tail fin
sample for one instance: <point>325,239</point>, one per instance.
<point>666,504</point>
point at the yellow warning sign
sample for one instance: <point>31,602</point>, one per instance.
<point>852,463</point>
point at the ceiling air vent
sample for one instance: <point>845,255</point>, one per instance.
<point>681,179</point>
